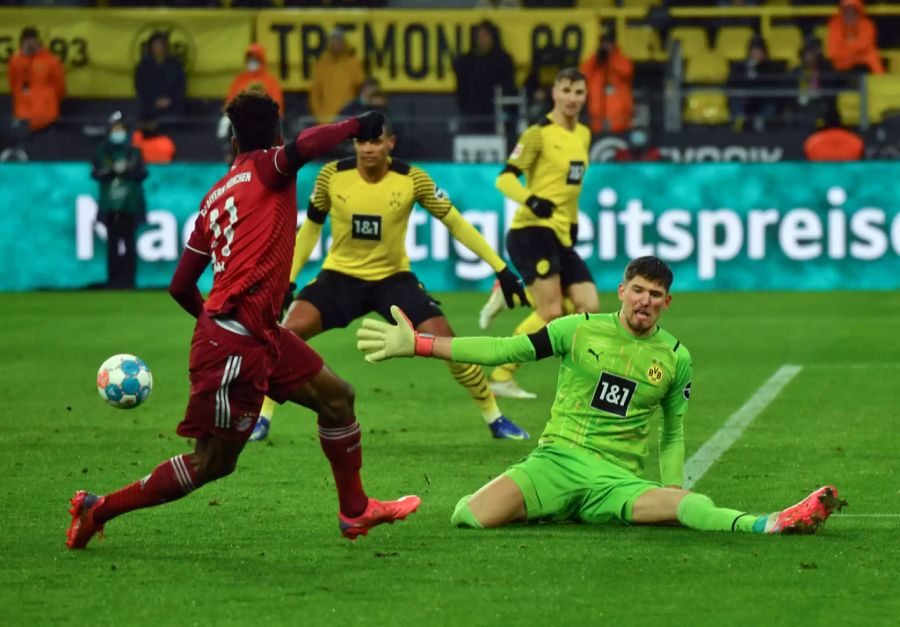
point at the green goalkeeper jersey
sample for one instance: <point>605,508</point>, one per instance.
<point>610,385</point>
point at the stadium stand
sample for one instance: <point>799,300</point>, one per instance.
<point>709,36</point>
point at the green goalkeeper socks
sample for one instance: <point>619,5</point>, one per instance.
<point>697,511</point>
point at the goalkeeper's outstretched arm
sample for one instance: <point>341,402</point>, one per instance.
<point>380,340</point>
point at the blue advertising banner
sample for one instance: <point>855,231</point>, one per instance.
<point>722,226</point>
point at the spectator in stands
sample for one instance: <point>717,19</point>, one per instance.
<point>370,98</point>
<point>609,74</point>
<point>485,67</point>
<point>336,78</point>
<point>639,148</point>
<point>155,147</point>
<point>813,75</point>
<point>37,84</point>
<point>833,142</point>
<point>756,72</point>
<point>119,169</point>
<point>159,79</point>
<point>852,39</point>
<point>256,76</point>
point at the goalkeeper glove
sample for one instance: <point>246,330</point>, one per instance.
<point>379,340</point>
<point>512,287</point>
<point>541,207</point>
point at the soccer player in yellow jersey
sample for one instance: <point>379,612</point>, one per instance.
<point>370,198</point>
<point>553,156</point>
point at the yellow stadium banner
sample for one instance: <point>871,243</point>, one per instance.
<point>412,50</point>
<point>100,48</point>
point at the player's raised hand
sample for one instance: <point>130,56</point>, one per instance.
<point>380,340</point>
<point>513,288</point>
<point>371,125</point>
<point>541,207</point>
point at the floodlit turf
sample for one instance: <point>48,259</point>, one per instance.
<point>262,546</point>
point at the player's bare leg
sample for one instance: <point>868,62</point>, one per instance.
<point>472,378</point>
<point>213,458</point>
<point>498,503</point>
<point>303,320</point>
<point>547,297</point>
<point>332,399</point>
<point>696,511</point>
<point>584,297</point>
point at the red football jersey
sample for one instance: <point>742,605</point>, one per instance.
<point>247,225</point>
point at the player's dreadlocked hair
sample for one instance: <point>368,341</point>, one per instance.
<point>254,118</point>
<point>652,268</point>
<point>571,74</point>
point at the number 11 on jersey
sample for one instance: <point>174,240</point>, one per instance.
<point>222,234</point>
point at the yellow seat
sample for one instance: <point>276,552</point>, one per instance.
<point>893,60</point>
<point>784,44</point>
<point>707,107</point>
<point>641,44</point>
<point>732,42</point>
<point>848,107</point>
<point>692,39</point>
<point>711,67</point>
<point>883,92</point>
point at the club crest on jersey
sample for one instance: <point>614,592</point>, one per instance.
<point>396,202</point>
<point>654,373</point>
<point>245,422</point>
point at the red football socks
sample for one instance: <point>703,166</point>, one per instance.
<point>342,447</point>
<point>171,480</point>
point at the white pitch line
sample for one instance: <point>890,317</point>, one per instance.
<point>737,423</point>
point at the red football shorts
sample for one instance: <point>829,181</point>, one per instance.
<point>231,373</point>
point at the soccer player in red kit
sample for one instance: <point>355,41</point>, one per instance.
<point>239,353</point>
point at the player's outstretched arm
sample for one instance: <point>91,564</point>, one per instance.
<point>318,141</point>
<point>379,340</point>
<point>468,236</point>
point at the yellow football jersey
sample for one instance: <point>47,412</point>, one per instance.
<point>554,161</point>
<point>369,220</point>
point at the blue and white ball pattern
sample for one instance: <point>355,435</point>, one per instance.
<point>124,381</point>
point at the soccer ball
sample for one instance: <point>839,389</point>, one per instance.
<point>124,381</point>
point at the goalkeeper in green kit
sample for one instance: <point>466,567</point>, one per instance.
<point>616,370</point>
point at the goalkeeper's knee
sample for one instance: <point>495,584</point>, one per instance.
<point>463,516</point>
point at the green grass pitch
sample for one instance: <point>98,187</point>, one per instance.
<point>262,546</point>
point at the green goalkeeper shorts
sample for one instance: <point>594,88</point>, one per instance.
<point>563,483</point>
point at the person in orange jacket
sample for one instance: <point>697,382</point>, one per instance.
<point>609,74</point>
<point>155,146</point>
<point>255,76</point>
<point>852,39</point>
<point>834,143</point>
<point>36,81</point>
